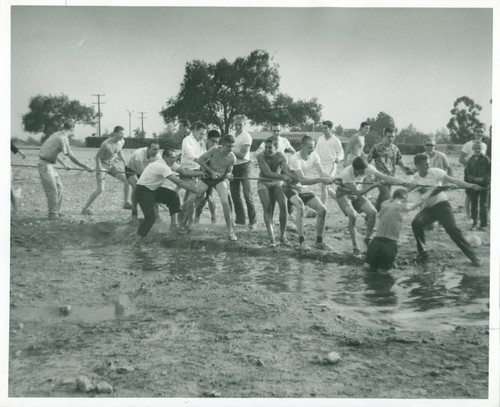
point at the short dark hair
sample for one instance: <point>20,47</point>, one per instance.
<point>271,140</point>
<point>363,124</point>
<point>199,125</point>
<point>479,126</point>
<point>153,141</point>
<point>328,124</point>
<point>168,152</point>
<point>185,123</point>
<point>118,128</point>
<point>275,124</point>
<point>388,130</point>
<point>213,134</point>
<point>420,158</point>
<point>67,126</point>
<point>359,163</point>
<point>228,138</point>
<point>400,193</point>
<point>305,139</point>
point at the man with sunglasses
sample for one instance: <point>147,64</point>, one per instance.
<point>437,159</point>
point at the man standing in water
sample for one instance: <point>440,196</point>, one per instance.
<point>356,144</point>
<point>106,161</point>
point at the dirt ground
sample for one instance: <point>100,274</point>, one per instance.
<point>191,337</point>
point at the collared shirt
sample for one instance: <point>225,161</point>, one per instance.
<point>329,150</point>
<point>154,175</point>
<point>283,144</point>
<point>242,139</point>
<point>385,158</point>
<point>433,178</point>
<point>298,163</point>
<point>56,143</point>
<point>191,150</point>
<point>139,160</point>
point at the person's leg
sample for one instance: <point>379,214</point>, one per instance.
<point>473,197</point>
<point>483,208</point>
<point>320,209</point>
<point>346,206</point>
<point>146,200</point>
<point>299,210</point>
<point>211,206</point>
<point>467,205</point>
<point>384,195</point>
<point>199,208</point>
<point>370,212</point>
<point>279,197</point>
<point>222,190</point>
<point>234,187</point>
<point>132,180</point>
<point>126,187</point>
<point>60,190</point>
<point>47,177</point>
<point>323,194</point>
<point>425,217</point>
<point>447,220</point>
<point>264,195</point>
<point>247,194</point>
<point>99,188</point>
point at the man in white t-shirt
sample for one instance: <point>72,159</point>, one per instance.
<point>283,143</point>
<point>241,172</point>
<point>106,161</point>
<point>437,208</point>
<point>352,200</point>
<point>331,153</point>
<point>301,165</point>
<point>467,153</point>
<point>136,164</point>
<point>153,187</point>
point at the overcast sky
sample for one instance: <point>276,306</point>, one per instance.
<point>410,63</point>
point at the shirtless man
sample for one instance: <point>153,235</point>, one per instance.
<point>301,165</point>
<point>218,163</point>
<point>356,144</point>
<point>106,160</point>
<point>271,162</point>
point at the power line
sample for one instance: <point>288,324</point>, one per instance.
<point>142,120</point>
<point>99,103</point>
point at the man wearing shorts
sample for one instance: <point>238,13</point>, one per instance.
<point>152,188</point>
<point>218,164</point>
<point>271,162</point>
<point>331,153</point>
<point>49,154</point>
<point>356,144</point>
<point>139,160</point>
<point>352,200</point>
<point>301,165</point>
<point>106,163</point>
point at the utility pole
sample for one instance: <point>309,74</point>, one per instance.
<point>129,122</point>
<point>142,121</point>
<point>99,103</point>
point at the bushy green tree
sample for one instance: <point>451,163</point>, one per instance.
<point>377,126</point>
<point>48,114</point>
<point>464,117</point>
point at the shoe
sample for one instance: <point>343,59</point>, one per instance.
<point>53,216</point>
<point>87,212</point>
<point>474,226</point>
<point>482,228</point>
<point>304,246</point>
<point>272,244</point>
<point>323,246</point>
<point>232,237</point>
<point>477,262</point>
<point>127,205</point>
<point>251,226</point>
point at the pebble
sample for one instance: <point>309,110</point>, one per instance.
<point>125,369</point>
<point>103,387</point>
<point>84,384</point>
<point>332,358</point>
<point>65,310</point>
<point>18,353</point>
<point>20,325</point>
<point>260,363</point>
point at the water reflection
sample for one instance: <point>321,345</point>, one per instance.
<point>379,289</point>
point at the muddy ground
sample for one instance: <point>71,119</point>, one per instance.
<point>188,336</point>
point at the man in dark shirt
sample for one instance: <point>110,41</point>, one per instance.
<point>478,171</point>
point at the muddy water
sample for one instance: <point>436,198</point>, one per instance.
<point>408,299</point>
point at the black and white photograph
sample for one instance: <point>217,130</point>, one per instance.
<point>250,203</point>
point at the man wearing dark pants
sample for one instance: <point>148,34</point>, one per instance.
<point>241,172</point>
<point>437,208</point>
<point>150,190</point>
